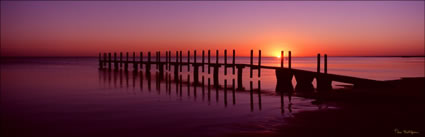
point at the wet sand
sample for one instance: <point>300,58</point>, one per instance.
<point>397,110</point>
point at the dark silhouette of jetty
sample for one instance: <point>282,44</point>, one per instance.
<point>284,75</point>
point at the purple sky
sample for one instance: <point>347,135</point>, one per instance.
<point>349,28</point>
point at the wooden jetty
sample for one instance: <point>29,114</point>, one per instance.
<point>284,75</point>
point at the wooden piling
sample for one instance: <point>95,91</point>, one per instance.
<point>195,74</point>
<point>157,60</point>
<point>166,60</point>
<point>259,63</point>
<point>216,57</point>
<point>169,60</point>
<point>203,60</point>
<point>281,59</point>
<point>109,61</point>
<point>251,63</point>
<point>135,66</point>
<point>176,67</point>
<point>126,63</point>
<point>324,83</point>
<point>225,62</point>
<point>209,60</point>
<point>318,63</point>
<point>181,61</point>
<point>105,60</point>
<point>194,56</point>
<point>188,60</point>
<point>239,77</point>
<point>195,69</point>
<point>148,65</point>
<point>233,62</point>
<point>326,64</point>
<point>115,61</point>
<point>289,60</point>
<point>216,67</point>
<point>120,59</point>
<point>177,59</point>
<point>141,60</point>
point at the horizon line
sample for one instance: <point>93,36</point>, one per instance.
<point>206,56</point>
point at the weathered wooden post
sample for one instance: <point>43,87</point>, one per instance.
<point>281,59</point>
<point>259,63</point>
<point>100,61</point>
<point>216,57</point>
<point>160,66</point>
<point>194,56</point>
<point>135,65</point>
<point>109,61</point>
<point>169,60</point>
<point>105,59</point>
<point>156,60</point>
<point>225,62</point>
<point>203,60</point>
<point>209,60</point>
<point>195,69</point>
<point>318,63</point>
<point>166,60</point>
<point>176,67</point>
<point>115,62</point>
<point>326,64</point>
<point>148,64</point>
<point>126,63</point>
<point>240,68</point>
<point>233,62</point>
<point>188,60</point>
<point>181,61</point>
<point>251,63</point>
<point>141,60</point>
<point>216,67</point>
<point>121,60</point>
<point>323,82</point>
<point>289,60</point>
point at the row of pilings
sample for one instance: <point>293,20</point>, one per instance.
<point>284,75</point>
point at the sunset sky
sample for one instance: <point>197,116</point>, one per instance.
<point>85,28</point>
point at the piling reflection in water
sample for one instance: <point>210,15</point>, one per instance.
<point>168,80</point>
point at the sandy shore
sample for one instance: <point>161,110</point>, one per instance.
<point>396,110</point>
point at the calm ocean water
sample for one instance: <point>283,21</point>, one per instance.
<point>71,97</point>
